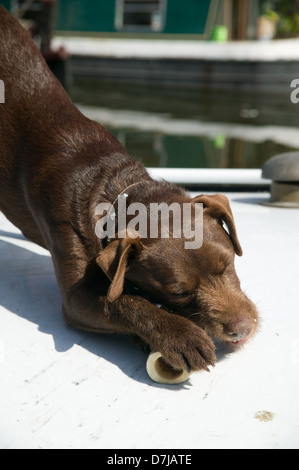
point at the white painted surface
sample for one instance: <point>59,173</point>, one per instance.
<point>62,388</point>
<point>209,176</point>
<point>286,49</point>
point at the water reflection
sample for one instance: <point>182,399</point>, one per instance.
<point>179,129</point>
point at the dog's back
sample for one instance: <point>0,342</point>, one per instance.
<point>43,136</point>
<point>27,80</point>
<point>28,84</point>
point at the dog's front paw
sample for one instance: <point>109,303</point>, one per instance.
<point>187,346</point>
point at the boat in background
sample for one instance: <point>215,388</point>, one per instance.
<point>208,45</point>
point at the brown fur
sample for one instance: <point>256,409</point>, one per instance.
<point>56,166</point>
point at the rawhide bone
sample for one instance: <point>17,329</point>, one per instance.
<point>161,372</point>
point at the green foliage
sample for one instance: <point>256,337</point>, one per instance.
<point>272,15</point>
<point>288,11</point>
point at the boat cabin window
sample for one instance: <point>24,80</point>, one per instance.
<point>140,15</point>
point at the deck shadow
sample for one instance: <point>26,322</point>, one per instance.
<point>28,288</point>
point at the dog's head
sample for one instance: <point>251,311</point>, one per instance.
<point>200,284</point>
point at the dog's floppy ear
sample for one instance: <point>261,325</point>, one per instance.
<point>218,207</point>
<point>114,261</point>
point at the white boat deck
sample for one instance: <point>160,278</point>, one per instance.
<point>123,48</point>
<point>62,388</point>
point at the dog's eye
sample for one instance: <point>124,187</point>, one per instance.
<point>220,270</point>
<point>183,295</point>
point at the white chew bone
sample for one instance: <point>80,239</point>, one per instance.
<point>161,372</point>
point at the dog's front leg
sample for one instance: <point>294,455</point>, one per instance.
<point>182,343</point>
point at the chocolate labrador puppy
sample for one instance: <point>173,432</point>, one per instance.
<point>56,168</point>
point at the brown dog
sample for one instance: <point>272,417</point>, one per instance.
<point>56,167</point>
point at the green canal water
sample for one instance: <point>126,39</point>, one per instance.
<point>186,129</point>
